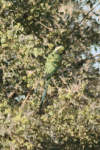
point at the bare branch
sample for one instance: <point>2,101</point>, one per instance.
<point>14,91</point>
<point>29,93</point>
<point>51,29</point>
<point>84,18</point>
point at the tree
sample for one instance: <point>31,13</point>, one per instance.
<point>30,30</point>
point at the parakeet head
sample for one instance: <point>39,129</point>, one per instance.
<point>59,49</point>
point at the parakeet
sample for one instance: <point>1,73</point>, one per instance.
<point>53,63</point>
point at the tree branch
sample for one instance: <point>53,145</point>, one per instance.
<point>14,91</point>
<point>83,18</point>
<point>29,93</point>
<point>51,29</point>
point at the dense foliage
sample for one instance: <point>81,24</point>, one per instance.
<point>29,31</point>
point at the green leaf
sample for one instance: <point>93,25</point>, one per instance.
<point>95,48</point>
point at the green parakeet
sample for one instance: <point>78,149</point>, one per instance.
<point>53,63</point>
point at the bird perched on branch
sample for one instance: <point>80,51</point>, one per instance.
<point>53,63</point>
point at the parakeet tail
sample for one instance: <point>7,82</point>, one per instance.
<point>44,95</point>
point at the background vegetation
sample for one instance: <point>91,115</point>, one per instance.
<point>29,31</point>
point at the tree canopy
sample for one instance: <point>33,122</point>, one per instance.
<point>29,32</point>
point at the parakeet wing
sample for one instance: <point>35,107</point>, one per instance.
<point>53,63</point>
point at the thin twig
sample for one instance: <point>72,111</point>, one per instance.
<point>14,91</point>
<point>86,60</point>
<point>29,93</point>
<point>96,55</point>
<point>51,29</point>
<point>59,111</point>
<point>83,18</point>
<point>62,80</point>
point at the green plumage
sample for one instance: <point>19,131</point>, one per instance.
<point>53,63</point>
